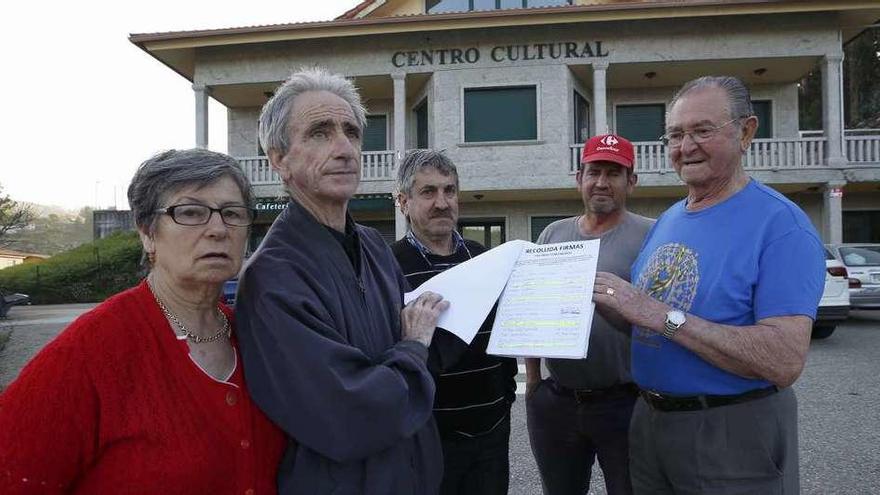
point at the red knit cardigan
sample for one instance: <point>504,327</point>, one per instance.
<point>115,404</point>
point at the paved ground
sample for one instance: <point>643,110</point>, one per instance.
<point>839,395</point>
<point>28,329</point>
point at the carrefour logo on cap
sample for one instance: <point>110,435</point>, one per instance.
<point>610,141</point>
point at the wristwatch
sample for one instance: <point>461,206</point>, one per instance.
<point>674,320</point>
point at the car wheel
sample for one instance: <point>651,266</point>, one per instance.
<point>823,331</point>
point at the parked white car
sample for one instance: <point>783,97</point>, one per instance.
<point>862,261</point>
<point>834,305</point>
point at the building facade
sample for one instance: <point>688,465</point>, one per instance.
<point>510,90</point>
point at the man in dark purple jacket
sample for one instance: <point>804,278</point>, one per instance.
<point>330,353</point>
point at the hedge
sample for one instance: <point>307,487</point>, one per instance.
<point>88,273</point>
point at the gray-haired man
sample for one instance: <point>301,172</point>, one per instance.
<point>722,300</point>
<point>474,390</point>
<point>330,354</point>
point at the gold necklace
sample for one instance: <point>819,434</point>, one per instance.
<point>196,339</point>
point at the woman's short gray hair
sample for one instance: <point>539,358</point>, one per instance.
<point>170,171</point>
<point>738,97</point>
<point>417,160</point>
<point>275,116</point>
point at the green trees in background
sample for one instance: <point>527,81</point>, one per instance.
<point>54,232</point>
<point>14,217</point>
<point>861,86</point>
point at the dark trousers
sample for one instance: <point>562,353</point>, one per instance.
<point>567,436</point>
<point>478,465</point>
<point>739,449</point>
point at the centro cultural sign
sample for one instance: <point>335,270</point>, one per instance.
<point>500,53</point>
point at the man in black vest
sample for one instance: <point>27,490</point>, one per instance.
<point>474,390</point>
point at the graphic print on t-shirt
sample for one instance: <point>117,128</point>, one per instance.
<point>671,275</point>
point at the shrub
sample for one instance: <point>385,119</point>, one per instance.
<point>88,273</point>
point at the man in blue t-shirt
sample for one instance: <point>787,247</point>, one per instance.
<point>723,297</point>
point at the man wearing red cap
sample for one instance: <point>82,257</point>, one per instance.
<point>582,410</point>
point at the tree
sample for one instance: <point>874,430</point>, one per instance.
<point>861,93</point>
<point>861,73</point>
<point>14,216</point>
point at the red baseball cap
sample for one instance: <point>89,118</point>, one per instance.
<point>609,148</point>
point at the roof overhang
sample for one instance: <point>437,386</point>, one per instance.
<point>177,49</point>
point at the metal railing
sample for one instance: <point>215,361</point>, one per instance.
<point>375,165</point>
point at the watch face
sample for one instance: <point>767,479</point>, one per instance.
<point>675,317</point>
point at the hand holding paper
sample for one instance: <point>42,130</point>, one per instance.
<point>545,309</point>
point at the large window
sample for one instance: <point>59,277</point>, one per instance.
<point>437,6</point>
<point>764,112</point>
<point>500,114</point>
<point>861,226</point>
<point>541,223</point>
<point>421,112</point>
<point>581,118</point>
<point>641,122</point>
<point>487,231</point>
<point>376,133</point>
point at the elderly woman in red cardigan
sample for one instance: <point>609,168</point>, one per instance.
<point>145,394</point>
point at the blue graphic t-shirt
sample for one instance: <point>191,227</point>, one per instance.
<point>754,256</point>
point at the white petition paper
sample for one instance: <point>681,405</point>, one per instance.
<point>546,309</point>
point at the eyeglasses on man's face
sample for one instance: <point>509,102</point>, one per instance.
<point>196,214</point>
<point>700,134</point>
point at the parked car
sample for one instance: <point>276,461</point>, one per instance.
<point>834,305</point>
<point>862,262</point>
<point>229,289</point>
<point>9,300</point>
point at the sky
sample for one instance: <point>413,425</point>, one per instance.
<point>83,106</point>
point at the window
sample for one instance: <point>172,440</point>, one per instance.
<point>500,114</point>
<point>763,111</point>
<point>541,223</point>
<point>421,112</point>
<point>641,122</point>
<point>260,150</point>
<point>861,226</point>
<point>581,119</point>
<point>487,231</point>
<point>437,6</point>
<point>376,133</point>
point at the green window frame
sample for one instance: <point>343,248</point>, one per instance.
<point>421,114</point>
<point>376,133</point>
<point>764,112</point>
<point>642,122</point>
<point>538,224</point>
<point>508,113</point>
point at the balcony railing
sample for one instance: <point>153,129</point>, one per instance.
<point>375,165</point>
<point>764,154</point>
<point>862,148</point>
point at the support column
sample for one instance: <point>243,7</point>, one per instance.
<point>832,212</point>
<point>832,109</point>
<point>201,92</point>
<point>399,79</point>
<point>600,110</point>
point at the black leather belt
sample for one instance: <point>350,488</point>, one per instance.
<point>585,395</point>
<point>663,402</point>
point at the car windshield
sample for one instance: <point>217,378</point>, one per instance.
<point>861,256</point>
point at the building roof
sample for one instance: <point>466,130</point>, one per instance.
<point>177,49</point>
<point>8,253</point>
